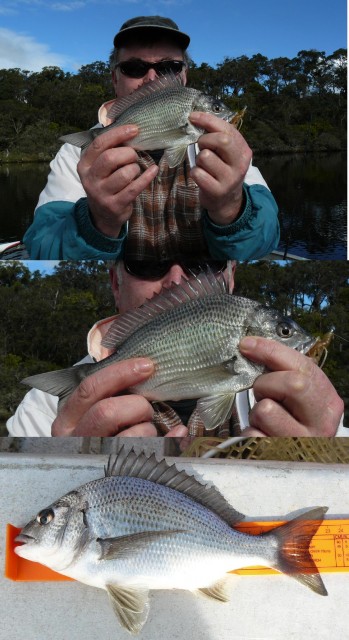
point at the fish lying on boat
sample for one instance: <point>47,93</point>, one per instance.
<point>147,525</point>
<point>192,333</point>
<point>161,110</point>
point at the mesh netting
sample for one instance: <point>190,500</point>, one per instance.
<point>327,450</point>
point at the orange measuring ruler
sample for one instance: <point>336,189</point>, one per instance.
<point>329,549</point>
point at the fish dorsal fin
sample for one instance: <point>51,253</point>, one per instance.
<point>130,604</point>
<point>198,286</point>
<point>135,465</point>
<point>142,93</point>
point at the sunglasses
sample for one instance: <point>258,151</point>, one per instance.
<point>139,68</point>
<point>157,270</point>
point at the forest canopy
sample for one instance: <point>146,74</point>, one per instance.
<point>292,104</point>
<point>45,318</point>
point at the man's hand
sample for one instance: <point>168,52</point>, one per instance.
<point>295,398</point>
<point>112,178</point>
<point>221,167</point>
<point>94,410</point>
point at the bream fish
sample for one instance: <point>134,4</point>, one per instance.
<point>191,332</point>
<point>161,110</point>
<point>147,526</point>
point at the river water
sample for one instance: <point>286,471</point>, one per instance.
<point>309,189</point>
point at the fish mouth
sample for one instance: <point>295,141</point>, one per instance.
<point>24,538</point>
<point>305,346</point>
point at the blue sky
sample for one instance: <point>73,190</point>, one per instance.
<point>45,266</point>
<point>37,33</point>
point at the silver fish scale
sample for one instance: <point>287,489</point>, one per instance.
<point>166,110</point>
<point>125,506</point>
<point>196,337</point>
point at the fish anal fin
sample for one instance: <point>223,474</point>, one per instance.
<point>131,606</point>
<point>217,591</point>
<point>215,410</point>
<point>294,558</point>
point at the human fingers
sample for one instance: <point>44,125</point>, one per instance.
<point>223,140</point>
<point>111,416</point>
<point>299,387</point>
<point>144,430</point>
<point>250,432</point>
<point>293,403</point>
<point>114,137</point>
<point>274,355</point>
<point>230,147</point>
<point>209,122</point>
<point>106,164</point>
<point>179,431</point>
<point>105,383</point>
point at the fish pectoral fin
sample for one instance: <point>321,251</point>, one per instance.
<point>124,546</point>
<point>215,410</point>
<point>218,590</point>
<point>131,606</point>
<point>175,155</point>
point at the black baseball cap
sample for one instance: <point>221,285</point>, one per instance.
<point>156,24</point>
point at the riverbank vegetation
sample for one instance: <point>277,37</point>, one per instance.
<point>45,318</point>
<point>292,105</point>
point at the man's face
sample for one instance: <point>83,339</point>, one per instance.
<point>123,85</point>
<point>130,291</point>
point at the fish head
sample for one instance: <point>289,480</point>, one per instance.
<point>216,107</point>
<point>54,534</point>
<point>270,323</point>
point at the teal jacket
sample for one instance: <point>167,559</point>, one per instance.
<point>62,228</point>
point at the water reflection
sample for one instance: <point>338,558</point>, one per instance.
<point>311,194</point>
<point>20,185</point>
<point>310,191</point>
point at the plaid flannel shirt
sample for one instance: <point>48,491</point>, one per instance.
<point>166,223</point>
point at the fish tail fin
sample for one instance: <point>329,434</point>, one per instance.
<point>293,555</point>
<point>80,139</point>
<point>60,383</point>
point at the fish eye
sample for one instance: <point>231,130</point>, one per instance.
<point>216,107</point>
<point>45,516</point>
<point>284,330</point>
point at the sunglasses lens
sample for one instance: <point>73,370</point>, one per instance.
<point>147,270</point>
<point>139,68</point>
<point>133,68</point>
<point>169,66</point>
<point>156,270</point>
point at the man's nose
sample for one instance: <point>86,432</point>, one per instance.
<point>149,76</point>
<point>173,276</point>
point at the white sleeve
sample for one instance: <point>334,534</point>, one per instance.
<point>254,176</point>
<point>342,431</point>
<point>63,183</point>
<point>34,415</point>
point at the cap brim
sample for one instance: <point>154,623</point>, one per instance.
<point>178,36</point>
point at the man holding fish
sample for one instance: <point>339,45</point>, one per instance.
<point>138,188</point>
<point>293,395</point>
